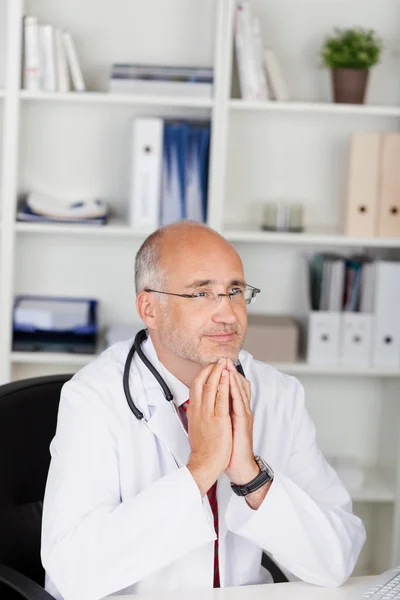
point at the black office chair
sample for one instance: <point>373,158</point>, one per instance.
<point>28,417</point>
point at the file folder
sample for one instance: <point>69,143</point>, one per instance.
<point>389,202</point>
<point>386,329</point>
<point>356,339</point>
<point>324,330</point>
<point>147,152</point>
<point>361,198</point>
<point>173,173</point>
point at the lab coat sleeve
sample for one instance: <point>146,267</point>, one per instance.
<point>305,520</point>
<point>92,543</point>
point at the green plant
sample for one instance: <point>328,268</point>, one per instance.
<point>354,48</point>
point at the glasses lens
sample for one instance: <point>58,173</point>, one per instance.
<point>248,296</point>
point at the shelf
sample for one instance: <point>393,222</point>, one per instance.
<point>117,229</point>
<point>303,368</point>
<point>114,229</point>
<point>316,107</point>
<point>373,490</point>
<point>108,98</point>
<point>52,358</point>
<point>308,238</point>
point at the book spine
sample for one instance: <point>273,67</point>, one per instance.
<point>31,71</point>
<point>241,54</point>
<point>250,51</point>
<point>263,93</point>
<point>73,62</point>
<point>62,64</point>
<point>48,54</point>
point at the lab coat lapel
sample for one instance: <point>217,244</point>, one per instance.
<point>160,414</point>
<point>224,494</point>
<point>164,423</point>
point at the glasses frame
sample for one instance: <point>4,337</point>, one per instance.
<point>254,290</point>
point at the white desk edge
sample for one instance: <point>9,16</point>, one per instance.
<point>279,591</point>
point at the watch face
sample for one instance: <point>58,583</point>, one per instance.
<point>263,465</point>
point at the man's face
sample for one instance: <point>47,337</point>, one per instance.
<point>201,330</point>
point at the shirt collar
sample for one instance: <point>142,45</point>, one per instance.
<point>179,390</point>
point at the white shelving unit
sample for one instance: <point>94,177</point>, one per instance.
<point>79,144</point>
<point>129,99</point>
<point>316,107</point>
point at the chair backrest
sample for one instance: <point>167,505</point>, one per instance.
<point>28,418</point>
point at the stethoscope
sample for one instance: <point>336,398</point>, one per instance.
<point>140,337</point>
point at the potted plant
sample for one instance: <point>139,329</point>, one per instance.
<point>350,53</point>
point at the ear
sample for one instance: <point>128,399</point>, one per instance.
<point>146,305</point>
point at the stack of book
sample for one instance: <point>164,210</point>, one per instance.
<point>169,176</point>
<point>50,59</point>
<point>259,70</point>
<point>40,208</point>
<point>174,81</point>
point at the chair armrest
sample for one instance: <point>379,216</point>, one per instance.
<point>277,575</point>
<point>24,586</point>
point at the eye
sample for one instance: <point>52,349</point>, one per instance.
<point>236,292</point>
<point>201,294</point>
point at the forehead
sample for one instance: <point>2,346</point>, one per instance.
<point>205,258</point>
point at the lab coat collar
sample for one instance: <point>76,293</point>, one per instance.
<point>159,413</point>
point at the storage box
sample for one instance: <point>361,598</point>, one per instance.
<point>52,324</point>
<point>272,338</point>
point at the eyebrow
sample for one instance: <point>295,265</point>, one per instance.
<point>204,282</point>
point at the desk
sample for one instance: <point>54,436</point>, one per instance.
<point>277,591</point>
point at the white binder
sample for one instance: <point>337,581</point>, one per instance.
<point>324,330</point>
<point>386,330</point>
<point>356,339</point>
<point>146,168</point>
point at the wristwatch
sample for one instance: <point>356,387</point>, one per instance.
<point>266,474</point>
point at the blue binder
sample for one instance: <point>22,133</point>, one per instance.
<point>185,171</point>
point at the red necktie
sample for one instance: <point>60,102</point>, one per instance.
<point>212,497</point>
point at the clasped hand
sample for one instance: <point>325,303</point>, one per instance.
<point>220,426</point>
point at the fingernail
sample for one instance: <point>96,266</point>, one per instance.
<point>224,373</point>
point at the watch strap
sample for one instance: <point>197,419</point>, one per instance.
<point>265,476</point>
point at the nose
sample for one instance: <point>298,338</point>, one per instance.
<point>224,311</point>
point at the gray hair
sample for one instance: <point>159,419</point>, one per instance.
<point>149,272</point>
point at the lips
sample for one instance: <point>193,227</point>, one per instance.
<point>222,337</point>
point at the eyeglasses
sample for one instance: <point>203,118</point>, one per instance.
<point>237,295</point>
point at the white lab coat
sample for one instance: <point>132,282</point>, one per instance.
<point>119,516</point>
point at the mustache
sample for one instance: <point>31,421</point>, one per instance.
<point>223,330</point>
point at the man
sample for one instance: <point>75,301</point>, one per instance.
<point>133,508</point>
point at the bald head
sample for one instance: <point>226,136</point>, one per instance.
<point>165,249</point>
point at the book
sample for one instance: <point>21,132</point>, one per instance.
<point>73,62</point>
<point>174,81</point>
<point>276,80</point>
<point>249,54</point>
<point>160,88</point>
<point>164,73</point>
<point>47,44</point>
<point>63,79</point>
<point>31,70</point>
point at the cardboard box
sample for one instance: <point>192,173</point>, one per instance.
<point>272,338</point>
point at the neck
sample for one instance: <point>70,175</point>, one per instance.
<point>184,370</point>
